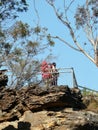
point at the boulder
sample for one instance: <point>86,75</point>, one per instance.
<point>41,108</point>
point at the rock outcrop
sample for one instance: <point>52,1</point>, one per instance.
<point>40,108</point>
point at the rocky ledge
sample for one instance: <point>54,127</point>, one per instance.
<point>40,108</point>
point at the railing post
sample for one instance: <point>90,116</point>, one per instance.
<point>75,85</point>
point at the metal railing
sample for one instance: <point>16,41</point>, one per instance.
<point>66,77</point>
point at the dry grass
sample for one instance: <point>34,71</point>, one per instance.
<point>91,102</point>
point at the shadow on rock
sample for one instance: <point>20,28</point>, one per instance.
<point>21,126</point>
<point>87,126</point>
<point>10,127</point>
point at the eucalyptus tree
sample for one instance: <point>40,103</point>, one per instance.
<point>20,44</point>
<point>9,11</point>
<point>22,51</point>
<point>80,19</point>
<point>85,18</point>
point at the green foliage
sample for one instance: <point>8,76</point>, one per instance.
<point>1,34</point>
<point>37,29</point>
<point>32,44</point>
<point>81,16</point>
<point>86,92</point>
<point>50,41</point>
<point>20,55</point>
<point>20,45</point>
<point>11,8</point>
<point>19,30</point>
<point>18,51</point>
<point>87,14</point>
<point>32,47</point>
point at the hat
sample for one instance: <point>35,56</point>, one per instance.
<point>54,63</point>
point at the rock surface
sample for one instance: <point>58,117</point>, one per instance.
<point>40,108</point>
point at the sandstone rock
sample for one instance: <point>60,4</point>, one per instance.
<point>39,108</point>
<point>58,120</point>
<point>35,98</point>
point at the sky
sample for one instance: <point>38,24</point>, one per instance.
<point>86,72</point>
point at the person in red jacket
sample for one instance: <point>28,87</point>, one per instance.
<point>46,73</point>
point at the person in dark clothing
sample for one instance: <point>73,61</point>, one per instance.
<point>55,74</point>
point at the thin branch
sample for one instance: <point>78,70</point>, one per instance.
<point>68,5</point>
<point>36,11</point>
<point>68,44</point>
<point>66,23</point>
<point>88,31</point>
<point>84,52</point>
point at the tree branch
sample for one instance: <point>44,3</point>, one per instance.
<point>67,24</point>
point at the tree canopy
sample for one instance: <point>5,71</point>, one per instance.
<point>10,9</point>
<point>20,44</point>
<point>77,16</point>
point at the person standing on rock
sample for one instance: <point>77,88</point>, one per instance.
<point>46,73</point>
<point>55,74</point>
